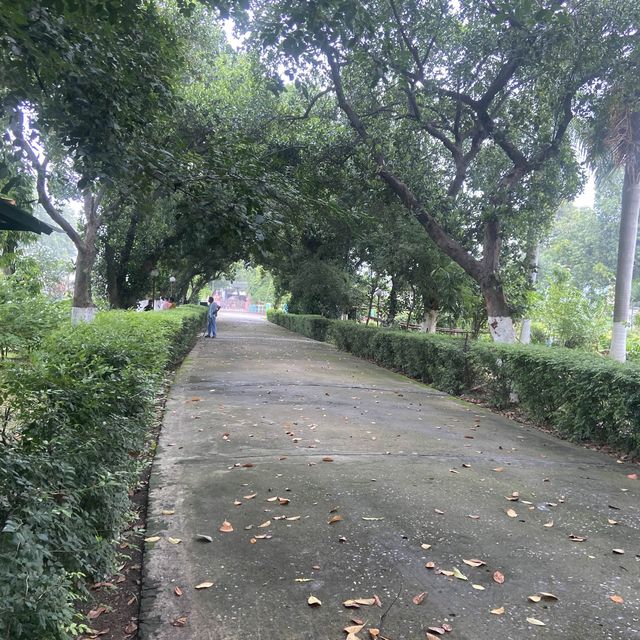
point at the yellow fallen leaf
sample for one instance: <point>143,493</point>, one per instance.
<point>373,632</point>
<point>264,525</point>
<point>312,601</point>
<point>204,585</point>
<point>498,612</point>
<point>293,518</point>
<point>430,636</point>
<point>458,574</point>
<point>152,539</point>
<point>168,512</point>
<point>479,587</point>
<point>226,527</point>
<point>175,540</point>
<point>536,622</point>
<point>534,598</point>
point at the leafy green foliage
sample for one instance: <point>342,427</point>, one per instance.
<point>76,417</point>
<point>584,397</point>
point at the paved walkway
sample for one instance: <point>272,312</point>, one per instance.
<point>280,435</point>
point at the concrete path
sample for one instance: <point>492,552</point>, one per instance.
<point>280,435</point>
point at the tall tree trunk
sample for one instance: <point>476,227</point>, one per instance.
<point>393,303</point>
<point>630,207</point>
<point>372,295</point>
<point>533,256</point>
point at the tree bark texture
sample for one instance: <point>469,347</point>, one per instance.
<point>630,207</point>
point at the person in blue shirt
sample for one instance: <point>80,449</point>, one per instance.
<point>212,314</point>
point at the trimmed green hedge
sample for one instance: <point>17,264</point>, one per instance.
<point>582,396</point>
<point>81,407</point>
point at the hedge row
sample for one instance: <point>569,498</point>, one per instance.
<point>582,396</point>
<point>80,411</point>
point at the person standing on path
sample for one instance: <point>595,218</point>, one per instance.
<point>212,314</point>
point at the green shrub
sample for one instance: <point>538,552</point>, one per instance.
<point>581,395</point>
<point>81,408</point>
<point>314,327</point>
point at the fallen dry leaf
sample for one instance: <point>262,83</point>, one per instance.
<point>251,496</point>
<point>498,469</point>
<point>473,516</point>
<point>353,629</point>
<point>272,499</point>
<point>168,512</point>
<point>439,512</point>
<point>204,585</point>
<point>327,459</point>
<point>131,628</point>
<point>226,527</point>
<point>439,630</point>
<point>177,591</point>
<point>356,603</point>
<point>618,551</point>
<point>512,513</point>
<point>632,476</point>
<point>617,599</point>
<point>174,540</point>
<point>535,598</point>
<point>292,518</point>
<point>458,574</point>
<point>536,622</point>
<point>302,580</point>
<point>152,539</point>
<point>96,613</point>
<point>312,601</point>
<point>265,524</point>
<point>180,621</point>
<point>445,572</point>
<point>474,562</point>
<point>248,465</point>
<point>498,612</point>
<point>548,525</point>
<point>430,565</point>
<point>283,501</point>
<point>334,519</point>
<point>430,636</point>
<point>574,538</point>
<point>478,587</point>
<point>419,598</point>
<point>237,503</point>
<point>372,519</point>
<point>498,577</point>
<point>611,521</point>
<point>373,632</point>
<point>425,546</point>
<point>203,538</point>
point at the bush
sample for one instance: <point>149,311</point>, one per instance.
<point>314,327</point>
<point>80,407</point>
<point>583,396</point>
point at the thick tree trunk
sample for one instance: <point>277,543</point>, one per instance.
<point>498,312</point>
<point>630,208</point>
<point>430,321</point>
